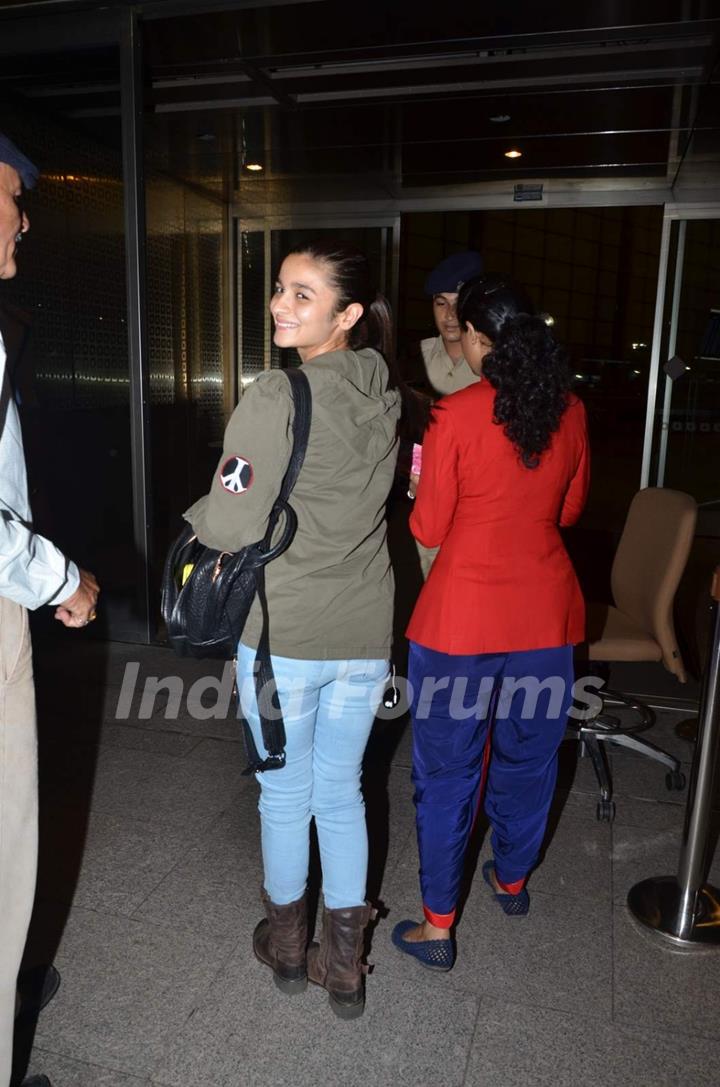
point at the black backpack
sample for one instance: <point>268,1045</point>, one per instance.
<point>207,594</point>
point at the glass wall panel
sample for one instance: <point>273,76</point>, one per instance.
<point>692,427</point>
<point>595,271</point>
<point>261,254</point>
<point>686,432</point>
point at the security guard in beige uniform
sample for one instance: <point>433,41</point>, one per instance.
<point>446,369</point>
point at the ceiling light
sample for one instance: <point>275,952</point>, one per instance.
<point>500,118</point>
<point>206,137</point>
<point>513,154</point>
<point>254,166</point>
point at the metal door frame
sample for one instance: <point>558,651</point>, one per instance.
<point>681,213</point>
<point>317,221</point>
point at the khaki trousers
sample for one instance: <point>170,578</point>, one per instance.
<point>426,556</point>
<point>18,811</point>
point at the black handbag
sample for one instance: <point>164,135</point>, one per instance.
<point>207,594</point>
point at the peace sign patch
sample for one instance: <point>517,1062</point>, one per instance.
<point>236,475</point>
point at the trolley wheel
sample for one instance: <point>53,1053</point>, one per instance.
<point>675,779</point>
<point>605,811</point>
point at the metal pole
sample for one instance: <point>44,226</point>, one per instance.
<point>672,343</point>
<point>134,214</point>
<point>682,909</point>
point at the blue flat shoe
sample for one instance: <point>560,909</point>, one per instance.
<point>432,954</point>
<point>513,905</point>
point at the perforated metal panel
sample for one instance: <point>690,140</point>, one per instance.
<point>252,303</point>
<point>185,281</point>
<point>166,295</point>
<point>203,239</point>
<point>72,268</point>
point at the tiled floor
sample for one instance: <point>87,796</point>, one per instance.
<point>149,893</point>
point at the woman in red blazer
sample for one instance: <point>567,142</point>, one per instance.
<point>505,465</point>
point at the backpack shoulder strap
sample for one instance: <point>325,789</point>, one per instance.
<point>302,401</point>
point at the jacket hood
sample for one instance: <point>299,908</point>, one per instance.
<point>350,392</point>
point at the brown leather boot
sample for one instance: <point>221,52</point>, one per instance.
<point>335,962</point>
<point>280,941</point>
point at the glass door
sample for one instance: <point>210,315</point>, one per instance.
<point>260,247</point>
<point>685,452</point>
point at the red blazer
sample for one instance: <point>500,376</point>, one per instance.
<point>502,580</point>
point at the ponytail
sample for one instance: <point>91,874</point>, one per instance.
<point>374,329</point>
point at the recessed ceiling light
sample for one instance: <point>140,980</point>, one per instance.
<point>500,118</point>
<point>254,166</point>
<point>513,154</point>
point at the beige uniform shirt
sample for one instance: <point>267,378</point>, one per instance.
<point>330,595</point>
<point>444,375</point>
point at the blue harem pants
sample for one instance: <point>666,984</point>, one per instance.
<point>522,699</point>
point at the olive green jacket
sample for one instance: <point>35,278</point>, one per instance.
<point>330,595</point>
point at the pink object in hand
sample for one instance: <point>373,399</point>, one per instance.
<point>416,460</point>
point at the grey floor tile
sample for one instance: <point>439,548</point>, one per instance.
<point>248,1033</point>
<point>160,787</point>
<point>403,750</point>
<point>652,814</point>
<point>576,859</point>
<point>64,1072</point>
<point>657,987</point>
<point>230,751</point>
<point>107,862</point>
<point>576,774</point>
<point>644,780</point>
<point>562,947</point>
<point>663,734</point>
<point>128,988</point>
<point>216,887</point>
<point>574,804</point>
<point>641,853</point>
<point>538,1047</point>
<point>135,737</point>
<point>391,822</point>
<point>213,728</point>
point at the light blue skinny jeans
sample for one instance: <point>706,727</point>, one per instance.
<point>328,707</point>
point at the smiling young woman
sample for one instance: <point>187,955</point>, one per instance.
<point>330,601</point>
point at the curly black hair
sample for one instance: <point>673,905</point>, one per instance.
<point>527,366</point>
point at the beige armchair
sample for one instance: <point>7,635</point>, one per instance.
<point>638,626</point>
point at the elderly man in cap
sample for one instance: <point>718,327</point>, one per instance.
<point>446,369</point>
<point>32,572</point>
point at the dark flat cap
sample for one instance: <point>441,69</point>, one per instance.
<point>449,275</point>
<point>10,155</point>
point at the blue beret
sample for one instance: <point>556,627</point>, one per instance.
<point>10,155</point>
<point>450,274</point>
